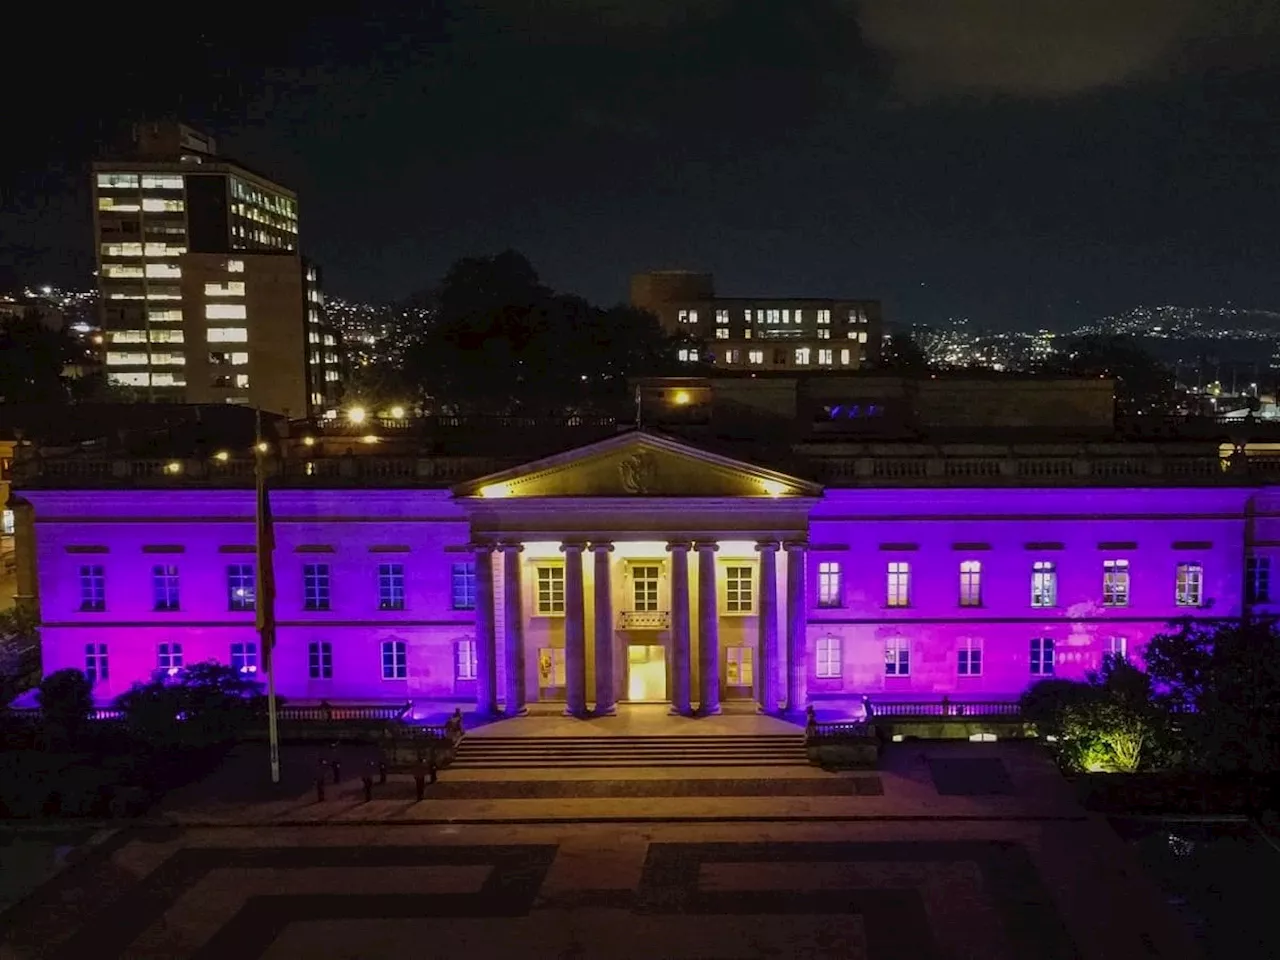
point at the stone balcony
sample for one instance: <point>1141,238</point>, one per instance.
<point>644,620</point>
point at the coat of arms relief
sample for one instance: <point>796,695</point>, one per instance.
<point>639,473</point>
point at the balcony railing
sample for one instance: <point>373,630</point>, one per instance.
<point>644,620</point>
<point>901,709</point>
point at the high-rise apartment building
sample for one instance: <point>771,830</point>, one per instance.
<point>795,334</point>
<point>205,297</point>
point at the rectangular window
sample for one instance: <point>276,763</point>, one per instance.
<point>93,589</point>
<point>244,657</point>
<point>225,311</point>
<point>391,586</point>
<point>825,356</point>
<point>551,667</point>
<point>464,660</point>
<point>232,288</point>
<point>829,594</point>
<point>550,597</point>
<point>828,664</point>
<point>644,587</point>
<point>169,658</point>
<point>845,357</point>
<point>395,663</point>
<point>1118,648</point>
<point>315,586</point>
<point>802,356</point>
<point>1257,580</point>
<point>733,356</point>
<point>235,266</point>
<point>1115,583</point>
<point>1044,584</point>
<point>687,355</point>
<point>722,317</point>
<point>969,658</point>
<point>95,662</point>
<point>739,666</point>
<point>897,657</point>
<point>164,587</point>
<point>162,181</point>
<point>1190,584</point>
<point>755,357</point>
<point>899,592</point>
<point>118,181</point>
<point>1041,657</point>
<point>722,333</point>
<point>971,583</point>
<point>463,581</point>
<point>738,590</point>
<point>824,316</point>
<point>227,335</point>
<point>241,586</point>
<point>824,334</point>
<point>320,660</point>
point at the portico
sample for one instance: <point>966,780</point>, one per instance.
<point>639,569</point>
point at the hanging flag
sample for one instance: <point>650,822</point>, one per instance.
<point>265,605</point>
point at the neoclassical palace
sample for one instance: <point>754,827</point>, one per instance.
<point>645,568</point>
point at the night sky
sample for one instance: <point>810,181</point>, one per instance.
<point>1022,163</point>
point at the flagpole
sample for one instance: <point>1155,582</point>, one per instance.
<point>266,597</point>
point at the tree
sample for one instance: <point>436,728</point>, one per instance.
<point>65,698</point>
<point>1143,384</point>
<point>503,342</point>
<point>204,704</point>
<point>32,359</point>
<point>19,653</point>
<point>902,354</point>
<point>1220,685</point>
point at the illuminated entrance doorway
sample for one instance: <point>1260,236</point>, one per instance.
<point>646,672</point>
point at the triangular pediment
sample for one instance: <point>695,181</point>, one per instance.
<point>638,464</point>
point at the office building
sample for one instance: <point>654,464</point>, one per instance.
<point>204,295</point>
<point>755,334</point>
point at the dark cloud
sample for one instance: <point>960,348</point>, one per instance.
<point>1051,49</point>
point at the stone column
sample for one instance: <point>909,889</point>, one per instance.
<point>797,615</point>
<point>606,690</point>
<point>486,635</point>
<point>513,624</point>
<point>680,653</point>
<point>767,639</point>
<point>708,630</point>
<point>575,632</point>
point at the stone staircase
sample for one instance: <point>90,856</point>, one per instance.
<point>756,750</point>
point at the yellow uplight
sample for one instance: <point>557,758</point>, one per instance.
<point>773,488</point>
<point>174,467</point>
<point>496,491</point>
<point>397,413</point>
<point>680,398</point>
<point>356,414</point>
<point>263,447</point>
<point>369,438</point>
<point>222,455</point>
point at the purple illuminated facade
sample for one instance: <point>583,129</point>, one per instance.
<point>644,569</point>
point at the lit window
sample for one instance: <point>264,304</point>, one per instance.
<point>1257,582</point>
<point>122,249</point>
<point>738,590</point>
<point>829,584</point>
<point>687,355</point>
<point>227,335</point>
<point>824,316</point>
<point>163,250</point>
<point>899,591</point>
<point>1190,584</point>
<point>1041,657</point>
<point>464,660</point>
<point>241,586</point>
<point>164,316</point>
<point>1115,583</point>
<point>117,358</point>
<point>688,316</point>
<point>773,316</point>
<point>802,356</point>
<point>1118,648</point>
<point>551,667</point>
<point>235,266</point>
<point>158,205</point>
<point>244,657</point>
<point>733,356</point>
<point>225,311</point>
<point>93,589</point>
<point>95,662</point>
<point>123,271</point>
<point>828,662</point>
<point>164,271</point>
<point>844,357</point>
<point>825,356</point>
<point>391,586</point>
<point>722,333</point>
<point>232,288</point>
<point>739,666</point>
<point>463,582</point>
<point>1044,584</point>
<point>164,587</point>
<point>161,181</point>
<point>722,316</point>
<point>862,336</point>
<point>969,658</point>
<point>118,181</point>
<point>315,586</point>
<point>746,334</point>
<point>550,582</point>
<point>320,660</point>
<point>169,658</point>
<point>644,587</point>
<point>897,657</point>
<point>824,334</point>
<point>746,315</point>
<point>755,357</point>
<point>395,664</point>
<point>971,583</point>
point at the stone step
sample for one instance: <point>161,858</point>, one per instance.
<point>770,750</point>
